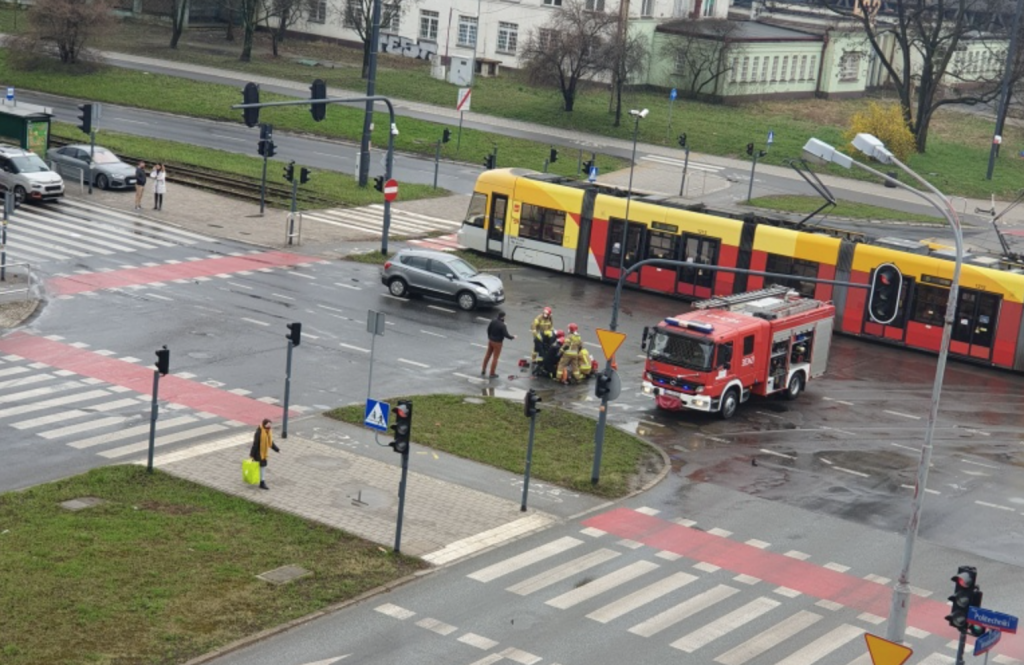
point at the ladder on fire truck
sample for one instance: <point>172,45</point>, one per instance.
<point>718,302</point>
<point>772,303</point>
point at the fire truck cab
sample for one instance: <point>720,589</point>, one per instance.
<point>731,347</point>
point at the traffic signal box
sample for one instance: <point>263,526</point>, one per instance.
<point>86,118</point>
<point>682,141</point>
<point>966,594</point>
<point>886,289</point>
<point>489,161</point>
<point>446,135</point>
<point>289,172</point>
<point>553,157</point>
<point>294,333</point>
<point>304,174</point>
<point>251,95</point>
<point>163,361</point>
<point>603,387</point>
<point>587,166</point>
<point>402,427</point>
<point>378,183</point>
<point>318,91</point>
<point>530,401</point>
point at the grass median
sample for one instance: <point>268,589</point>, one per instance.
<point>494,431</point>
<point>162,571</point>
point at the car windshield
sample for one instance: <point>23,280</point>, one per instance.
<point>104,157</point>
<point>29,163</point>
<point>681,350</point>
<point>477,209</point>
<point>462,269</point>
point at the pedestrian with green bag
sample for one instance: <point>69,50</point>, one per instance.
<point>262,444</point>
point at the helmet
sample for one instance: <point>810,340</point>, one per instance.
<point>547,311</point>
<point>559,334</point>
<point>573,327</point>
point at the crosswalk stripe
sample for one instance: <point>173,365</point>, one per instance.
<point>26,380</point>
<point>43,421</point>
<point>671,161</point>
<point>13,370</point>
<point>130,432</point>
<point>163,440</point>
<point>134,221</point>
<point>370,219</point>
<point>94,232</point>
<point>37,392</point>
<point>639,598</point>
<point>82,427</point>
<point>493,572</point>
<point>770,638</point>
<point>823,646</point>
<point>725,624</point>
<point>602,584</point>
<point>559,573</point>
<point>683,610</point>
<point>938,659</point>
<point>57,401</point>
<point>863,659</point>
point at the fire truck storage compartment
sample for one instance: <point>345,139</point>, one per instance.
<point>778,365</point>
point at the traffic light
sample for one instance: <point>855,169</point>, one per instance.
<point>446,135</point>
<point>378,183</point>
<point>86,118</point>
<point>266,132</point>
<point>553,157</point>
<point>682,140</point>
<point>163,361</point>
<point>964,593</point>
<point>530,401</point>
<point>294,333</point>
<point>303,176</point>
<point>975,630</point>
<point>587,166</point>
<point>251,95</point>
<point>318,91</point>
<point>489,161</point>
<point>402,427</point>
<point>603,387</point>
<point>750,149</point>
<point>289,172</point>
<point>886,289</point>
<point>271,149</point>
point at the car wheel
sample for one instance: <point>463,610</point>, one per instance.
<point>19,195</point>
<point>102,182</point>
<point>730,402</point>
<point>398,288</point>
<point>796,385</point>
<point>466,300</point>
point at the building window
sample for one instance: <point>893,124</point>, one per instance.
<point>785,64</point>
<point>428,24</point>
<point>849,67</point>
<point>733,71</point>
<point>353,14</point>
<point>743,72</point>
<point>545,38</point>
<point>803,68</point>
<point>775,68</point>
<point>813,72</point>
<point>647,8</point>
<point>753,69</point>
<point>680,60</point>
<point>709,7</point>
<point>317,11</point>
<point>467,31</point>
<point>764,69</point>
<point>553,3</point>
<point>396,19</point>
<point>508,37</point>
<point>594,5</point>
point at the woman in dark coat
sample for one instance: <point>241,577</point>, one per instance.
<point>262,444</point>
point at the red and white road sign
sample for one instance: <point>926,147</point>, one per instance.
<point>462,102</point>
<point>391,190</point>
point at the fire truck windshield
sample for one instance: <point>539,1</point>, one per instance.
<point>681,350</point>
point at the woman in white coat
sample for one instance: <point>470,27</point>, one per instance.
<point>159,177</point>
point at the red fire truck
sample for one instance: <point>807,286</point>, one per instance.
<point>731,347</point>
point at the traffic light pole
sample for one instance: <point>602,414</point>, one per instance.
<point>153,410</point>
<point>437,161</point>
<point>92,155</point>
<point>753,167</point>
<point>686,166</point>
<point>401,501</point>
<point>263,180</point>
<point>287,390</point>
<point>529,462</point>
<point>960,650</point>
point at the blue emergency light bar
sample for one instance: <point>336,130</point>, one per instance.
<point>705,328</point>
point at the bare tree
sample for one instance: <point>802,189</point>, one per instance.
<point>358,15</point>
<point>571,50</point>
<point>283,14</point>
<point>927,68</point>
<point>630,53</point>
<point>62,28</point>
<point>179,14</point>
<point>699,54</point>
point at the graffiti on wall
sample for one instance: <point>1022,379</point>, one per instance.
<point>404,46</point>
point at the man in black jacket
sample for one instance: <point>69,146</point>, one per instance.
<point>497,333</point>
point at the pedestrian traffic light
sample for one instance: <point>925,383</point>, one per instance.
<point>587,166</point>
<point>271,149</point>
<point>446,135</point>
<point>553,157</point>
<point>886,289</point>
<point>966,579</point>
<point>378,183</point>
<point>251,95</point>
<point>603,388</point>
<point>318,91</point>
<point>294,333</point>
<point>402,427</point>
<point>163,360</point>
<point>750,149</point>
<point>489,161</point>
<point>530,401</point>
<point>266,132</point>
<point>86,118</point>
<point>303,176</point>
<point>682,140</point>
<point>289,172</point>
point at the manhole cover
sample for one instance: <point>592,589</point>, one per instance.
<point>81,503</point>
<point>284,574</point>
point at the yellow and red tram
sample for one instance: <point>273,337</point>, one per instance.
<point>576,227</point>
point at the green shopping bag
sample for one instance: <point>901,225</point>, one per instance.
<point>251,471</point>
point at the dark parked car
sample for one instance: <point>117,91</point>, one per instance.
<point>421,271</point>
<point>108,171</point>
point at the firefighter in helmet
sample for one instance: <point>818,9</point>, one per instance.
<point>552,352</point>
<point>568,366</point>
<point>541,325</point>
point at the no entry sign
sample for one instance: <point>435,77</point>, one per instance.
<point>391,190</point>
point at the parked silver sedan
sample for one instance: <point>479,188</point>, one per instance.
<point>422,271</point>
<point>108,171</point>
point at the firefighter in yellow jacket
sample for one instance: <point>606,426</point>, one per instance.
<point>542,329</point>
<point>568,366</point>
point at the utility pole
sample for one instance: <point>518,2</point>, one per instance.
<point>371,87</point>
<point>1004,103</point>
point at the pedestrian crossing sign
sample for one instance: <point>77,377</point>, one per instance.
<point>377,415</point>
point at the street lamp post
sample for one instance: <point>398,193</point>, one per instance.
<point>873,147</point>
<point>638,116</point>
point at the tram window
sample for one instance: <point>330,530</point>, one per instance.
<point>543,224</point>
<point>930,305</point>
<point>661,245</point>
<point>477,210</point>
<point>788,265</point>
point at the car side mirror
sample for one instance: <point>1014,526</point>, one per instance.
<point>450,276</point>
<point>643,339</point>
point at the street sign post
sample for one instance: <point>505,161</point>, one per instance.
<point>10,94</point>
<point>884,652</point>
<point>985,643</point>
<point>592,176</point>
<point>391,190</point>
<point>992,620</point>
<point>376,415</point>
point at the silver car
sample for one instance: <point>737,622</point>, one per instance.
<point>108,171</point>
<point>420,271</point>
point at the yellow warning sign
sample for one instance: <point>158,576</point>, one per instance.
<point>884,652</point>
<point>610,341</point>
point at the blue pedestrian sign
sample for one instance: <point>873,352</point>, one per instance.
<point>771,137</point>
<point>377,415</point>
<point>992,620</point>
<point>985,643</point>
<point>672,95</point>
<point>10,94</point>
<point>593,174</point>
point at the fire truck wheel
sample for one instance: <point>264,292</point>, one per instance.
<point>796,386</point>
<point>730,402</point>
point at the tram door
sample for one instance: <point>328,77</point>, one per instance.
<point>974,328</point>
<point>698,282</point>
<point>633,249</point>
<point>496,229</point>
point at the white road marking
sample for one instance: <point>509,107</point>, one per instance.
<point>436,626</point>
<point>259,323</point>
<point>683,610</point>
<point>413,362</point>
<point>163,440</point>
<point>725,624</point>
<point>602,584</point>
<point>837,401</point>
<point>493,572</point>
<point>771,415</point>
<point>987,466</point>
<point>851,471</point>
<point>824,645</point>
<point>900,445</point>
<point>562,572</point>
<point>478,641</point>
<point>768,639</point>
<point>903,415</point>
<point>284,297</point>
<point>354,348</point>
<point>467,376</point>
<point>395,611</point>
<point>220,136</point>
<point>910,487</point>
<point>777,454</point>
<point>82,427</point>
<point>434,334</point>
<point>441,309</point>
<point>641,597</point>
<point>138,430</point>
<point>995,505</point>
<point>348,286</point>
